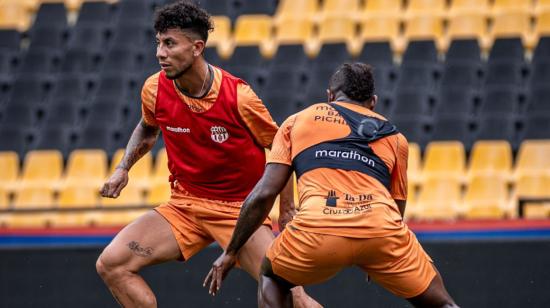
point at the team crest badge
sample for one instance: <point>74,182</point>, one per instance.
<point>219,134</point>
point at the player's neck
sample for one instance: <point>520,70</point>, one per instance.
<point>344,99</point>
<point>196,80</point>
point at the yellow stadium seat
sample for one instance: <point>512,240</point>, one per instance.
<point>4,219</point>
<point>131,195</point>
<point>140,173</point>
<point>13,14</point>
<point>486,197</point>
<point>375,8</point>
<point>222,31</point>
<point>534,186</point>
<point>78,196</point>
<point>469,6</point>
<point>4,200</point>
<point>34,197</point>
<point>29,220</point>
<point>9,164</point>
<point>424,27</point>
<point>293,31</point>
<point>542,28</point>
<point>444,159</point>
<point>500,6</point>
<point>42,168</point>
<point>537,211</point>
<point>335,29</point>
<point>70,220</point>
<point>339,8</point>
<point>305,9</point>
<point>411,209</point>
<point>71,5</point>
<point>532,158</point>
<point>511,24</point>
<point>541,6</point>
<point>115,218</point>
<point>439,199</point>
<point>380,28</point>
<point>418,8</point>
<point>159,193</point>
<point>161,172</point>
<point>491,158</point>
<point>86,167</point>
<point>253,29</point>
<point>414,163</point>
<point>471,25</point>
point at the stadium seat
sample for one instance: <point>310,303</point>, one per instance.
<point>374,8</point>
<point>415,128</point>
<point>448,128</point>
<point>221,33</point>
<point>216,7</point>
<point>161,172</point>
<point>461,75</point>
<point>504,74</point>
<point>112,85</point>
<point>459,7</point>
<point>14,139</point>
<point>500,6</point>
<point>302,9</point>
<point>13,15</point>
<point>507,49</point>
<point>444,159</point>
<point>454,102</point>
<point>439,198</point>
<point>97,136</point>
<point>291,57</point>
<point>539,78</point>
<point>428,27</point>
<point>132,35</point>
<point>9,164</point>
<point>538,100</point>
<point>38,62</point>
<point>78,196</point>
<point>422,51</point>
<point>104,111</point>
<point>69,86</point>
<point>116,218</point>
<point>537,126</point>
<point>541,6</point>
<point>248,7</point>
<point>510,24</point>
<point>158,193</point>
<point>486,197</point>
<point>498,127</point>
<point>413,167</point>
<point>542,28</point>
<point>463,50</point>
<point>533,187</point>
<point>334,29</point>
<point>131,11</point>
<point>339,8</point>
<point>417,75</point>
<point>47,37</point>
<point>131,195</point>
<point>94,12</point>
<point>42,169</point>
<point>293,31</point>
<point>532,158</point>
<point>417,8</point>
<point>79,60</point>
<point>252,30</point>
<point>86,167</point>
<point>50,15</point>
<point>34,197</point>
<point>141,171</point>
<point>501,101</point>
<point>380,28</point>
<point>491,158</point>
<point>23,116</point>
<point>28,220</point>
<point>331,56</point>
<point>54,137</point>
<point>70,220</point>
<point>120,59</point>
<point>471,25</point>
<point>542,50</point>
<point>409,101</point>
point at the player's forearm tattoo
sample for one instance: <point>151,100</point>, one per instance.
<point>142,140</point>
<point>140,251</point>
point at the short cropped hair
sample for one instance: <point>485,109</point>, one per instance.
<point>185,15</point>
<point>355,80</point>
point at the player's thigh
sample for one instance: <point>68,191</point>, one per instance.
<point>147,240</point>
<point>253,252</point>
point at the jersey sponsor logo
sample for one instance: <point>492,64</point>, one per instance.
<point>331,198</point>
<point>360,209</point>
<point>347,155</point>
<point>219,134</point>
<point>179,130</point>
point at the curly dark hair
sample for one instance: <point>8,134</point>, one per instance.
<point>185,15</point>
<point>355,80</point>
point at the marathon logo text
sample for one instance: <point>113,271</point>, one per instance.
<point>351,155</point>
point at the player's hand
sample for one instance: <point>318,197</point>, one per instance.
<point>285,216</point>
<point>115,184</point>
<point>219,271</point>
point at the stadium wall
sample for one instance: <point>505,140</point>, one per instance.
<point>502,273</point>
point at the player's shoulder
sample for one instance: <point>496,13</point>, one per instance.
<point>152,81</point>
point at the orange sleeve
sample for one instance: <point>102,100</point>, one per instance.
<point>149,98</point>
<point>399,172</point>
<point>281,151</point>
<point>255,115</point>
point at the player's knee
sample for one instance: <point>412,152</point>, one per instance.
<point>108,265</point>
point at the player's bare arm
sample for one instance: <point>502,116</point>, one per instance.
<point>142,141</point>
<point>254,211</point>
<point>287,209</point>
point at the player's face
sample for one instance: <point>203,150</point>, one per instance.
<point>176,52</point>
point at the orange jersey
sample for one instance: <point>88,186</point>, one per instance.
<point>251,109</point>
<point>343,202</point>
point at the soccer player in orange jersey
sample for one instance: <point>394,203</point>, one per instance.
<point>215,129</point>
<point>351,165</point>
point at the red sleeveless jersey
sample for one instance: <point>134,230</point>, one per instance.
<point>211,154</point>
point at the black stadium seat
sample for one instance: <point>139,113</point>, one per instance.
<point>542,51</point>
<point>241,7</point>
<point>91,37</point>
<point>455,102</point>
<point>461,75</point>
<point>332,56</point>
<point>377,54</point>
<point>416,75</point>
<point>504,74</point>
<point>14,139</point>
<point>421,51</point>
<point>507,49</point>
<point>10,40</point>
<point>64,112</point>
<point>48,37</point>
<point>540,74</point>
<point>447,128</point>
<point>27,91</point>
<point>537,126</point>
<point>501,100</point>
<point>416,129</point>
<point>498,127</point>
<point>79,60</point>
<point>94,12</point>
<point>54,137</point>
<point>539,100</point>
<point>38,62</point>
<point>290,57</point>
<point>51,15</point>
<point>464,50</point>
<point>412,102</point>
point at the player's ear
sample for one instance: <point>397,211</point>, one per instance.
<point>198,47</point>
<point>373,101</point>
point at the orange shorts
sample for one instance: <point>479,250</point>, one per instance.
<point>398,263</point>
<point>197,222</point>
